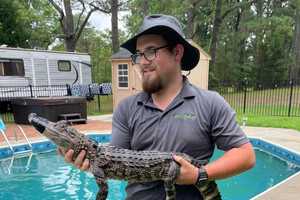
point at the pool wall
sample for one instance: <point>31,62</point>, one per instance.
<point>46,145</point>
<point>277,150</point>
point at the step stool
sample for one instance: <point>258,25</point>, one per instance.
<point>72,118</point>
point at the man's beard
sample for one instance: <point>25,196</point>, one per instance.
<point>152,85</point>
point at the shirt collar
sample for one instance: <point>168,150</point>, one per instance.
<point>187,90</point>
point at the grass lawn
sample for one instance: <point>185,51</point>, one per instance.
<point>100,105</point>
<point>106,107</point>
<point>267,107</point>
<point>271,121</point>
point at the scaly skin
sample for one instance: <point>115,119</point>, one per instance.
<point>109,162</point>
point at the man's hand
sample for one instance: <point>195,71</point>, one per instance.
<point>188,172</point>
<point>80,162</point>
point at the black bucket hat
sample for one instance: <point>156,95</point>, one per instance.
<point>170,28</point>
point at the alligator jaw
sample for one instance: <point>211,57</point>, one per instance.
<point>47,128</point>
<point>32,118</point>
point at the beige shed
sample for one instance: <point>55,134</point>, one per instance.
<point>126,79</point>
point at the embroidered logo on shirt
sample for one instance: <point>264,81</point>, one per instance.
<point>185,116</point>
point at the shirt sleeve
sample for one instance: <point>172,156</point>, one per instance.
<point>120,127</point>
<point>226,132</point>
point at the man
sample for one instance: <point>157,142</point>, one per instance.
<point>173,115</point>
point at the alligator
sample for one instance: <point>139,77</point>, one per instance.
<point>109,162</point>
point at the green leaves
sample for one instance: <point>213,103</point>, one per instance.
<point>27,25</point>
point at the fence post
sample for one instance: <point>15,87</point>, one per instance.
<point>31,93</point>
<point>291,97</point>
<point>245,95</point>
<point>69,93</point>
<point>99,104</point>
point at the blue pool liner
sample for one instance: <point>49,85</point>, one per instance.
<point>46,145</point>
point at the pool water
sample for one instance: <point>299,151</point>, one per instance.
<point>49,177</point>
<point>268,171</point>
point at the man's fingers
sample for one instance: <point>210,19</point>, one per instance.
<point>79,160</point>
<point>69,156</point>
<point>85,165</point>
<point>180,160</point>
<point>61,151</point>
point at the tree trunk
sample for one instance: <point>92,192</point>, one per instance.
<point>259,46</point>
<point>215,32</point>
<point>114,26</point>
<point>72,33</point>
<point>145,7</point>
<point>240,44</point>
<point>68,27</point>
<point>295,73</point>
<point>191,18</point>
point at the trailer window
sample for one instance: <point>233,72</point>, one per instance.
<point>11,67</point>
<point>123,75</point>
<point>64,65</point>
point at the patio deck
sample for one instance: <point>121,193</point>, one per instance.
<point>15,136</point>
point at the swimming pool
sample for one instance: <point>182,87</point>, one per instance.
<point>48,177</point>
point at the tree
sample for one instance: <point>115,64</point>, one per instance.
<point>218,19</point>
<point>295,72</point>
<point>139,9</point>
<point>253,39</point>
<point>11,26</point>
<point>114,26</point>
<point>26,25</point>
<point>71,30</point>
<point>191,16</point>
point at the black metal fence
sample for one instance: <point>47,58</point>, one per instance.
<point>270,99</point>
<point>246,97</point>
<point>7,93</point>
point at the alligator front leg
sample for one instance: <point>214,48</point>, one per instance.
<point>103,191</point>
<point>210,191</point>
<point>101,182</point>
<point>170,190</point>
<point>169,183</point>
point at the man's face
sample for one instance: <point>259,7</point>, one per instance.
<point>157,73</point>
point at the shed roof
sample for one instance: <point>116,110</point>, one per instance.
<point>200,49</point>
<point>121,54</point>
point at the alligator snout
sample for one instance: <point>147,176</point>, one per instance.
<point>37,123</point>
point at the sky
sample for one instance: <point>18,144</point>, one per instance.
<point>101,21</point>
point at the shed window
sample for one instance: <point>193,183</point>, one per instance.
<point>123,75</point>
<point>11,67</point>
<point>64,65</point>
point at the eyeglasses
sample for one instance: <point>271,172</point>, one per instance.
<point>149,54</point>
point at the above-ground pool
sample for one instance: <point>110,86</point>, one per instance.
<point>49,177</point>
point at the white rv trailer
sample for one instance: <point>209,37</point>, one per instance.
<point>23,67</point>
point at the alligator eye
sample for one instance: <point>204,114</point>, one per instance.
<point>71,134</point>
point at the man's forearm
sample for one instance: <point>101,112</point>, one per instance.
<point>232,162</point>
